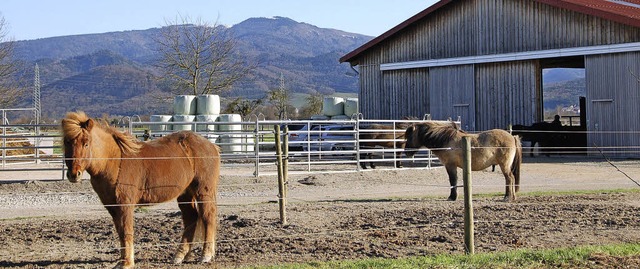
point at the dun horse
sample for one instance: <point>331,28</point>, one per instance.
<point>125,173</point>
<point>493,147</point>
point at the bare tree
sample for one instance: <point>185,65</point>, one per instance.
<point>313,106</point>
<point>9,89</point>
<point>242,106</point>
<point>199,57</point>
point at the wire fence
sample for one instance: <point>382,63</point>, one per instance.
<point>364,192</point>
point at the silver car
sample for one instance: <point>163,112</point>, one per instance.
<point>329,138</point>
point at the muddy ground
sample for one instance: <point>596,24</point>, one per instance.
<point>384,213</point>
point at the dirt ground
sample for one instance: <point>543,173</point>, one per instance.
<point>382,213</point>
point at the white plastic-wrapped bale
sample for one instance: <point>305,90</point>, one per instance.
<point>202,121</point>
<point>184,105</point>
<point>185,119</point>
<point>230,143</point>
<point>229,118</point>
<point>160,127</point>
<point>333,106</point>
<point>208,104</point>
<point>350,106</point>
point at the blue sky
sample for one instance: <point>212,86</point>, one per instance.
<point>32,19</point>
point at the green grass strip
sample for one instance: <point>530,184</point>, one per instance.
<point>577,257</point>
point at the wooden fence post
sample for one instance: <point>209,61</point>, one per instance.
<point>468,205</point>
<point>281,189</point>
<point>285,162</point>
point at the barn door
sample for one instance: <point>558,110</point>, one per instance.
<point>453,94</point>
<point>602,122</point>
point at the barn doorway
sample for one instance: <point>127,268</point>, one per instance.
<point>563,85</point>
<point>563,94</point>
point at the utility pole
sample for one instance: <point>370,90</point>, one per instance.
<point>36,96</point>
<point>36,110</point>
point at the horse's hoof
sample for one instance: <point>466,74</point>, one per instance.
<point>451,199</point>
<point>121,265</point>
<point>206,259</point>
<point>177,260</point>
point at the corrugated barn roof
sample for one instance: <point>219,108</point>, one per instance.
<point>625,12</point>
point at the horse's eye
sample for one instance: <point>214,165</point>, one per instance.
<point>86,145</point>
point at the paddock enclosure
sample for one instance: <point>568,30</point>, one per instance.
<point>335,210</point>
<point>333,216</point>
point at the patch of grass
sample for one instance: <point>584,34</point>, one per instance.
<point>578,257</point>
<point>579,192</point>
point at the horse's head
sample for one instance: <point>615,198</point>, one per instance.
<point>77,144</point>
<point>412,143</point>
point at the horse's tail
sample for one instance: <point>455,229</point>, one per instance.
<point>517,160</point>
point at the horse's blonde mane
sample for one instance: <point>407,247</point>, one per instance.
<point>438,135</point>
<point>75,123</point>
<point>71,124</point>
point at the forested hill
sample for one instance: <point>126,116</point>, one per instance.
<point>115,73</point>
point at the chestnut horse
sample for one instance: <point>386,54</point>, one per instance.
<point>493,147</point>
<point>125,173</point>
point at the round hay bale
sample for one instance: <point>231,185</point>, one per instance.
<point>208,104</point>
<point>206,119</point>
<point>350,106</point>
<point>183,118</point>
<point>184,105</point>
<point>230,118</point>
<point>333,106</point>
<point>160,127</point>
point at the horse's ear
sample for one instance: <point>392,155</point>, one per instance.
<point>88,125</point>
<point>454,125</point>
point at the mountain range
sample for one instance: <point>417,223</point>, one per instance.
<point>116,73</point>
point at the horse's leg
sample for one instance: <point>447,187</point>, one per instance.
<point>123,220</point>
<point>208,214</point>
<point>398,162</point>
<point>452,171</point>
<point>509,192</point>
<point>371,163</point>
<point>533,147</point>
<point>190,222</point>
<point>363,163</point>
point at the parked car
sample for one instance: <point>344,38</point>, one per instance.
<point>329,138</point>
<point>297,133</point>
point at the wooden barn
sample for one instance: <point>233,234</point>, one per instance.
<point>482,61</point>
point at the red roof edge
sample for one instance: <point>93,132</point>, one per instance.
<point>556,3</point>
<point>349,56</point>
<point>577,7</point>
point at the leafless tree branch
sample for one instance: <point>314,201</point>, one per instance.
<point>199,57</point>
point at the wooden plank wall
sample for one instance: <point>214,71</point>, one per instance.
<point>507,93</point>
<point>480,27</point>
<point>613,102</point>
<point>452,94</point>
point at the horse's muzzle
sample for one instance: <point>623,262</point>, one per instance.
<point>74,178</point>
